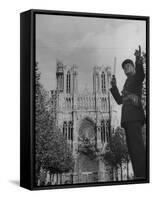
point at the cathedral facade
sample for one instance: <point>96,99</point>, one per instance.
<point>85,119</point>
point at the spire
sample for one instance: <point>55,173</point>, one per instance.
<point>59,66</point>
<point>59,75</point>
<point>115,60</point>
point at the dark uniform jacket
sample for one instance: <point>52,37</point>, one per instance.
<point>132,109</point>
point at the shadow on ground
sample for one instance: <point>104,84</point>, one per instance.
<point>15,182</point>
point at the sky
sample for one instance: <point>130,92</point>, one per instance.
<point>86,42</point>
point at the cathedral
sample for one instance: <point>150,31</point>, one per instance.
<point>85,119</point>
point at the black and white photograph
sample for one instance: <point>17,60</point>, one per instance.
<point>76,93</point>
<point>90,100</point>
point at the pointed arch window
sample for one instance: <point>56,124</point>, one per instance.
<point>105,104</point>
<point>65,130</point>
<point>70,131</point>
<point>68,81</point>
<point>97,82</point>
<point>102,131</point>
<point>102,104</point>
<point>103,83</point>
<point>69,103</point>
<point>107,130</point>
<point>60,82</point>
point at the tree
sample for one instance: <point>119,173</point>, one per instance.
<point>51,149</point>
<point>116,151</point>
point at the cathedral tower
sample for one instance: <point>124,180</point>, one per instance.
<point>75,79</point>
<point>60,76</point>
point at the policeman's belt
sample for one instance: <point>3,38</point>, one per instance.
<point>132,99</point>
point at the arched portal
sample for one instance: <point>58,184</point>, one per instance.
<point>87,129</point>
<point>87,160</point>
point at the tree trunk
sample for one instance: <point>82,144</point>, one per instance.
<point>111,174</point>
<point>37,172</point>
<point>116,173</point>
<point>72,177</point>
<point>127,168</point>
<point>57,178</point>
<point>60,178</point>
<point>121,171</point>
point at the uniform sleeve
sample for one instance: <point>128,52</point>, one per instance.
<point>139,76</point>
<point>116,95</point>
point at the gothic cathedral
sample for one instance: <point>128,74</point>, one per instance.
<point>85,119</point>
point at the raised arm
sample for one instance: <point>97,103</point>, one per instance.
<point>115,92</point>
<point>139,66</point>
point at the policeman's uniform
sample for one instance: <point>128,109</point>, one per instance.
<point>132,117</point>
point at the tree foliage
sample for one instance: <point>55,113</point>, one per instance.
<point>51,149</point>
<point>116,150</point>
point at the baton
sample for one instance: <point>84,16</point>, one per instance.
<point>139,50</point>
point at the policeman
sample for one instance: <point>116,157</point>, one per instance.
<point>132,117</point>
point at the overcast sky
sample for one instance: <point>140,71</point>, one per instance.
<point>85,42</point>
